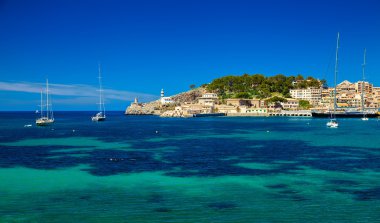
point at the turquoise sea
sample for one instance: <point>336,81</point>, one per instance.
<point>220,169</point>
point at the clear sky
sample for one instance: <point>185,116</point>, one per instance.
<point>144,46</point>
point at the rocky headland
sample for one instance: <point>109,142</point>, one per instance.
<point>157,108</point>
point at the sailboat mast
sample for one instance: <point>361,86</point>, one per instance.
<point>363,84</point>
<point>47,98</point>
<point>336,72</point>
<point>42,108</point>
<point>101,103</point>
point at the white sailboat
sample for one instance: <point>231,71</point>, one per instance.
<point>47,116</point>
<point>333,123</point>
<point>364,118</point>
<point>101,115</point>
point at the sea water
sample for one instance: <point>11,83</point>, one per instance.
<point>219,169</point>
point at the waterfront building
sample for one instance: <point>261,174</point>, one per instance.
<point>226,109</point>
<point>208,99</point>
<point>346,86</point>
<point>342,105</point>
<point>345,97</point>
<point>356,101</point>
<point>313,95</point>
<point>368,87</point>
<point>190,109</point>
<point>349,94</point>
<point>375,99</point>
<point>290,104</point>
<point>327,92</point>
<point>256,103</point>
<point>258,111</point>
<point>263,104</point>
<point>376,90</point>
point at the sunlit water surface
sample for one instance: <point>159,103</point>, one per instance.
<point>151,169</point>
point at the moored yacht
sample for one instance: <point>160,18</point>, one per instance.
<point>333,122</point>
<point>101,115</point>
<point>46,117</point>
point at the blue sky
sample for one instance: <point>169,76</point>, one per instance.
<point>144,46</point>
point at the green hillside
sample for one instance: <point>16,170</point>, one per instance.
<point>259,86</point>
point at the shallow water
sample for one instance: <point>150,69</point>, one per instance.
<point>216,169</point>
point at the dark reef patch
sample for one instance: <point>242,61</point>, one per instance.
<point>277,186</point>
<point>162,210</point>
<point>221,205</point>
<point>369,194</point>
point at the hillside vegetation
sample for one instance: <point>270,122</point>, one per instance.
<point>259,86</point>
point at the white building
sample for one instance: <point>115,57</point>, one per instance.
<point>210,95</point>
<point>313,95</point>
<point>165,100</point>
<point>208,99</point>
<point>290,104</point>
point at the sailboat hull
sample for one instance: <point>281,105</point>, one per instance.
<point>44,121</point>
<point>98,119</point>
<point>332,124</point>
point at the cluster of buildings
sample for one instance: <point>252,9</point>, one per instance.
<point>349,95</point>
<point>210,103</point>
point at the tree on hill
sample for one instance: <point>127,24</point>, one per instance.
<point>276,99</point>
<point>245,95</point>
<point>299,77</point>
<point>304,104</point>
<point>264,91</point>
<point>277,82</point>
<point>257,79</point>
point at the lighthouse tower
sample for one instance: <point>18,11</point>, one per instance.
<point>162,93</point>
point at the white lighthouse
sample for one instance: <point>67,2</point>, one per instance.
<point>165,100</point>
<point>162,93</point>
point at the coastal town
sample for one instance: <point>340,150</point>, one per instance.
<point>302,101</point>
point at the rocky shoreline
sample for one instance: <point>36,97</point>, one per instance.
<point>156,108</point>
<point>151,108</point>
